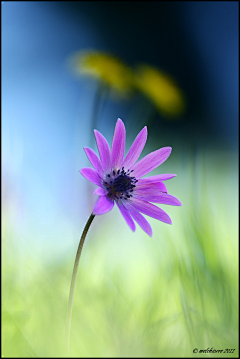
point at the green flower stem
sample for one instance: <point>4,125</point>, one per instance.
<point>98,104</point>
<point>74,276</point>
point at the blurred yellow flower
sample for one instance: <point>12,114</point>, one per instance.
<point>161,89</point>
<point>107,68</point>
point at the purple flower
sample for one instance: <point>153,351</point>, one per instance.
<point>120,179</point>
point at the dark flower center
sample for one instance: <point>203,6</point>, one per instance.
<point>120,184</point>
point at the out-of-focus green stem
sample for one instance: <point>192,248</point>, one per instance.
<point>74,276</point>
<point>98,104</point>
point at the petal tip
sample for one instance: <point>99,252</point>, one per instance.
<point>150,232</point>
<point>82,172</point>
<point>177,202</point>
<point>145,130</point>
<point>121,123</point>
<point>96,132</point>
<point>167,220</point>
<point>85,150</point>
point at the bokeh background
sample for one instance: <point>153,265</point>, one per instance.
<point>135,295</point>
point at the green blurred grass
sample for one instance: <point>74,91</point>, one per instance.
<point>135,296</point>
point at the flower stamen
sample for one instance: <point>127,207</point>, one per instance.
<point>120,185</point>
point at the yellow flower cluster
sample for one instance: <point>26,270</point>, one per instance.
<point>106,68</point>
<point>161,89</point>
<point>158,87</point>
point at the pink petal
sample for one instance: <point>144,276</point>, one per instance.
<point>100,191</point>
<point>103,150</point>
<point>150,210</point>
<point>150,188</point>
<point>151,161</point>
<point>91,175</point>
<point>163,198</point>
<point>127,217</point>
<point>143,223</point>
<point>136,149</point>
<point>103,205</point>
<point>157,178</point>
<point>93,158</point>
<point>118,145</point>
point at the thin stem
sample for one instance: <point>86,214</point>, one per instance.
<point>74,276</point>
